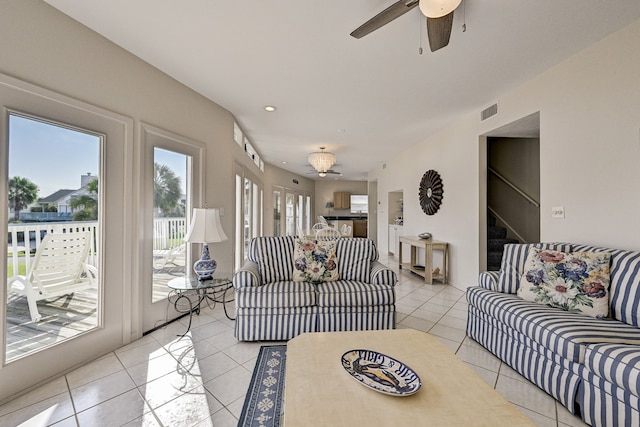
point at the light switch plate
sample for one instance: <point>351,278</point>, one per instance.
<point>557,212</point>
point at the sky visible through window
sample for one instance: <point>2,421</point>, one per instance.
<point>54,158</point>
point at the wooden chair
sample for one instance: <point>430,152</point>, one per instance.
<point>59,268</point>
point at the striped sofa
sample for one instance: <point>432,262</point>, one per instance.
<point>591,366</point>
<point>270,306</point>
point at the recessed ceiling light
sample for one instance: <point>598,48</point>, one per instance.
<point>284,162</point>
<point>270,108</point>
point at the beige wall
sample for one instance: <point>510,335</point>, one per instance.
<point>325,189</point>
<point>589,158</point>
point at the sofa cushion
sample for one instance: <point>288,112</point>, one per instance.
<point>354,258</point>
<point>274,256</point>
<point>560,331</point>
<point>314,261</point>
<point>617,363</point>
<point>276,295</point>
<point>575,281</point>
<point>349,293</point>
<point>624,299</point>
<point>513,259</point>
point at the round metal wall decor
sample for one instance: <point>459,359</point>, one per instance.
<point>431,190</point>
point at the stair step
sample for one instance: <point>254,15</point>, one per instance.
<point>491,221</point>
<point>494,260</point>
<point>497,233</point>
<point>497,245</point>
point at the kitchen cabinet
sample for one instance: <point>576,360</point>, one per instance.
<point>341,200</point>
<point>359,228</point>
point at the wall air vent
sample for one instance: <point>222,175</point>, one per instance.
<point>488,112</point>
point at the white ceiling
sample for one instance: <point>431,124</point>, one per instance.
<point>363,99</point>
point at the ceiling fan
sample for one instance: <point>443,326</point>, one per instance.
<point>439,15</point>
<point>322,162</point>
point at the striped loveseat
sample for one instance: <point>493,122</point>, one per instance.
<point>590,365</point>
<point>271,306</point>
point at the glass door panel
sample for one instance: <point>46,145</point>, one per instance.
<point>290,224</point>
<point>277,213</point>
<point>53,266</point>
<point>171,174</point>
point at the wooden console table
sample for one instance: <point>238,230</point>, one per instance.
<point>429,246</point>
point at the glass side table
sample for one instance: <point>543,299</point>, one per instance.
<point>193,292</point>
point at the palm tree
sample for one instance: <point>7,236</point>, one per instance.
<point>85,207</point>
<point>22,193</point>
<point>166,188</point>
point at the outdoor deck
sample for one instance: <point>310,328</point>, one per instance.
<point>63,317</point>
<point>76,313</point>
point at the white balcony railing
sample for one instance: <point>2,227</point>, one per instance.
<point>25,238</point>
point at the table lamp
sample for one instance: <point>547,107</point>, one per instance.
<point>205,228</point>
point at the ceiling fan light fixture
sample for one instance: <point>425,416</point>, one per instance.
<point>438,8</point>
<point>322,174</point>
<point>322,160</point>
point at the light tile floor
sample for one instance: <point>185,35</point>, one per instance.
<point>201,379</point>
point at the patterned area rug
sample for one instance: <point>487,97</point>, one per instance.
<point>263,403</point>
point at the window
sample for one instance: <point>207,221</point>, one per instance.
<point>249,219</point>
<point>359,203</point>
<point>54,190</point>
<point>244,142</point>
<point>171,202</point>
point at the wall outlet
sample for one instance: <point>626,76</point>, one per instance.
<point>557,212</point>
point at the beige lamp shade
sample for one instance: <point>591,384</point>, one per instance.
<point>205,227</point>
<point>438,8</point>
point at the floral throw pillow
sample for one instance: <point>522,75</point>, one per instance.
<point>577,281</point>
<point>314,261</point>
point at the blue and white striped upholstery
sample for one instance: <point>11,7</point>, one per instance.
<point>277,295</point>
<point>562,332</point>
<point>274,256</point>
<point>624,291</point>
<point>382,275</point>
<point>513,258</point>
<point>604,404</point>
<point>489,280</point>
<point>575,358</point>
<point>271,306</point>
<point>350,293</point>
<point>247,276</point>
<point>616,363</point>
<point>557,376</point>
<point>354,257</point>
<point>274,324</point>
<point>334,319</point>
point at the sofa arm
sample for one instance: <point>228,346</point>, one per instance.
<point>382,275</point>
<point>247,276</point>
<point>489,280</point>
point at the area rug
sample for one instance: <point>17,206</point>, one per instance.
<point>263,404</point>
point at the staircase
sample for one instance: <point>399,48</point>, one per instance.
<point>496,239</point>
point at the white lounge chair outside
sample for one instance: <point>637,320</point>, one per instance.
<point>59,268</point>
<point>175,256</point>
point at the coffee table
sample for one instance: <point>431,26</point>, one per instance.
<point>318,391</point>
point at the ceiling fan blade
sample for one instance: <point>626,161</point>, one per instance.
<point>394,11</point>
<point>439,31</point>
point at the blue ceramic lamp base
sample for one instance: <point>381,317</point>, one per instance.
<point>205,266</point>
